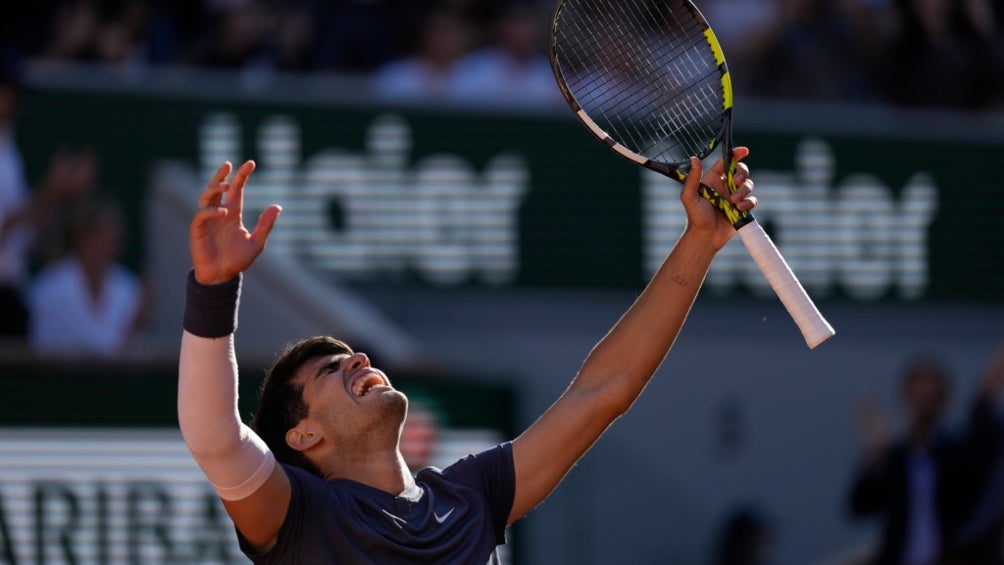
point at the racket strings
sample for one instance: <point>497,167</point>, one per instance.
<point>643,71</point>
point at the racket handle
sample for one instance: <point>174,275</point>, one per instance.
<point>815,329</point>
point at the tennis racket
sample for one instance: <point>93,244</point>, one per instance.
<point>648,78</point>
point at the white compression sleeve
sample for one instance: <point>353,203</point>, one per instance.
<point>235,460</point>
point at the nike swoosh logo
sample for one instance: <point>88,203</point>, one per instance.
<point>441,519</point>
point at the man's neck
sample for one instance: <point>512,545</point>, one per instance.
<point>384,471</point>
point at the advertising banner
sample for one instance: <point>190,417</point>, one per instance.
<point>447,196</point>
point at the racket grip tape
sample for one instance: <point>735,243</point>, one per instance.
<point>814,327</point>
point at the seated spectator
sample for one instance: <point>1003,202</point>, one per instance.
<point>115,34</point>
<point>295,38</point>
<point>86,303</point>
<point>239,37</point>
<point>513,68</point>
<point>358,36</point>
<point>808,54</point>
<point>428,73</point>
<point>945,43</point>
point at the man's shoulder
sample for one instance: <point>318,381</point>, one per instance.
<point>493,456</point>
<point>476,469</point>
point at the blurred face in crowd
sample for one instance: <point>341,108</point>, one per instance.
<point>519,32</point>
<point>445,39</point>
<point>419,437</point>
<point>99,244</point>
<point>925,397</point>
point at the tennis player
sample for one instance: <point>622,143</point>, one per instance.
<point>320,478</point>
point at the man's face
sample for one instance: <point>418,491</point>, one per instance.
<point>925,396</point>
<point>350,399</point>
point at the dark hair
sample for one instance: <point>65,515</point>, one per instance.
<point>281,405</point>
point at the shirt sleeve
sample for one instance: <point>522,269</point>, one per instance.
<point>493,473</point>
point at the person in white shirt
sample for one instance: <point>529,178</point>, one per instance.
<point>513,67</point>
<point>86,303</point>
<point>428,72</point>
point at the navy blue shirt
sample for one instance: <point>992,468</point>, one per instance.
<point>454,515</point>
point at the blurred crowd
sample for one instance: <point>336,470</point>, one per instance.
<point>943,53</point>
<point>928,53</point>
<point>932,489</point>
<point>935,489</point>
<point>63,290</point>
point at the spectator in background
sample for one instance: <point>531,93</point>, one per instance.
<point>238,37</point>
<point>936,53</point>
<point>945,54</point>
<point>866,26</point>
<point>86,303</point>
<point>420,434</point>
<point>73,29</point>
<point>175,30</point>
<point>924,485</point>
<point>808,54</point>
<point>983,533</point>
<point>361,35</point>
<point>113,33</point>
<point>745,28</point>
<point>428,73</point>
<point>513,67</point>
<point>123,34</point>
<point>23,212</point>
<point>295,37</point>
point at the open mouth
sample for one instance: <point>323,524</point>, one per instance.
<point>363,385</point>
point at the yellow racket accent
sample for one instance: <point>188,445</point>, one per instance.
<point>715,47</point>
<point>726,91</point>
<point>719,54</point>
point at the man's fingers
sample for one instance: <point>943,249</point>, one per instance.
<point>266,221</point>
<point>217,186</point>
<point>744,186</point>
<point>746,204</point>
<point>742,173</point>
<point>243,172</point>
<point>738,154</point>
<point>236,193</point>
<point>221,173</point>
<point>693,178</point>
<point>212,196</point>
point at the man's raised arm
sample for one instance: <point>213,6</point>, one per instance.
<point>255,491</point>
<point>621,364</point>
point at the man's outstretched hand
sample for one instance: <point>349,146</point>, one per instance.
<point>221,246</point>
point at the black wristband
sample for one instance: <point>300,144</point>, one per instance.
<point>211,310</point>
